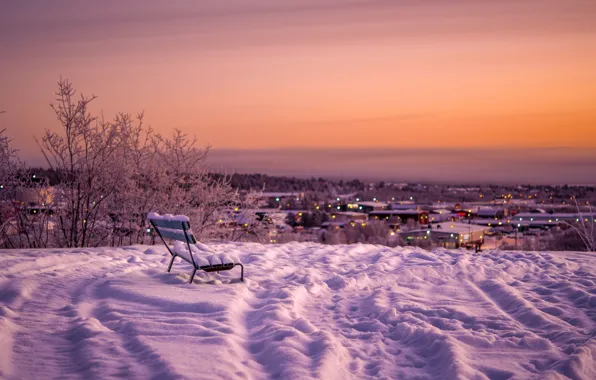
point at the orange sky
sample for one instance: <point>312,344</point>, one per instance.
<point>260,74</point>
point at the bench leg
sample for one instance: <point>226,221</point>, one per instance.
<point>171,262</point>
<point>192,276</point>
<point>241,272</point>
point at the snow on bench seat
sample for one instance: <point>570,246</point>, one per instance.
<point>204,256</point>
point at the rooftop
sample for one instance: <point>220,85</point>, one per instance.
<point>454,228</point>
<point>372,204</point>
<point>396,212</point>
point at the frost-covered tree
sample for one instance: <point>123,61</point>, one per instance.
<point>7,173</point>
<point>585,227</point>
<point>7,155</point>
<point>24,199</point>
<point>170,175</point>
<point>113,173</point>
<point>88,152</point>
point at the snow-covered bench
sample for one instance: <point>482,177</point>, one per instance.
<point>177,228</point>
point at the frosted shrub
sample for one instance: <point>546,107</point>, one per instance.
<point>21,225</point>
<point>113,173</point>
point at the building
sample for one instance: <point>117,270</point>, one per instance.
<point>349,217</point>
<point>368,206</point>
<point>442,215</point>
<point>334,225</point>
<point>400,216</point>
<point>405,205</point>
<point>491,213</point>
<point>276,198</point>
<point>449,235</point>
<point>545,221</point>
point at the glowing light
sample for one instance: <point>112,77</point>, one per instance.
<point>392,233</point>
<point>277,199</point>
<point>338,207</point>
<point>148,230</point>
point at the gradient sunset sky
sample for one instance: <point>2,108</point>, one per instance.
<point>399,76</point>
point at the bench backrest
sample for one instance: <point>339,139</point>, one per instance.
<point>172,227</point>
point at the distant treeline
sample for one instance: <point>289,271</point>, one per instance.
<point>278,184</point>
<point>255,181</point>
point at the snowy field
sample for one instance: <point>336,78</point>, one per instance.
<point>304,311</point>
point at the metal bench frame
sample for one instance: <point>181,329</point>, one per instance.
<point>190,239</point>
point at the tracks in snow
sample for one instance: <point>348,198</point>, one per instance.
<point>305,311</point>
<point>53,331</point>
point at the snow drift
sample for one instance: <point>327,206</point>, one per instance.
<point>304,311</point>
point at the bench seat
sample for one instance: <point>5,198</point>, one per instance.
<point>204,258</point>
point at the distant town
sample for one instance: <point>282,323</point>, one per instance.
<point>397,214</point>
<point>474,217</point>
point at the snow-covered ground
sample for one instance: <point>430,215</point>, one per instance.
<point>304,311</point>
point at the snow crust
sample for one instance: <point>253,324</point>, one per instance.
<point>304,311</point>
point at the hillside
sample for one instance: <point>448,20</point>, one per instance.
<point>304,311</point>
